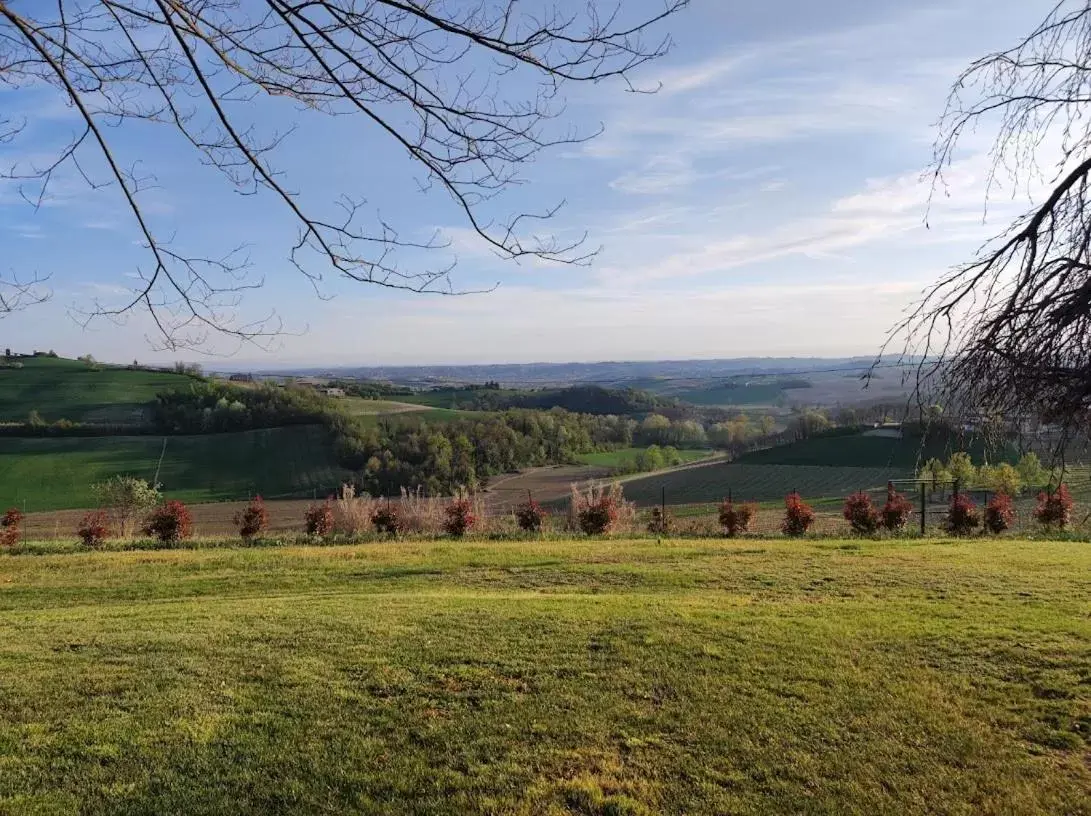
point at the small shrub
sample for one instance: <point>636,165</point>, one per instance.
<point>999,514</point>
<point>896,511</point>
<point>962,516</point>
<point>126,499</point>
<point>459,517</point>
<point>352,514</point>
<point>861,514</point>
<point>736,518</point>
<point>530,516</point>
<point>386,519</point>
<point>798,516</point>
<point>661,521</point>
<point>598,511</point>
<point>94,529</point>
<point>318,520</point>
<point>169,523</point>
<point>253,520</point>
<point>9,527</point>
<point>420,514</point>
<point>1054,510</point>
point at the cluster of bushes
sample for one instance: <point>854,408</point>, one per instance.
<point>1002,478</point>
<point>1053,512</point>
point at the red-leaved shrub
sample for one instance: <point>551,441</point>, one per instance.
<point>9,527</point>
<point>94,529</point>
<point>798,516</point>
<point>253,520</point>
<point>530,516</point>
<point>318,520</point>
<point>386,520</point>
<point>598,515</point>
<point>861,514</point>
<point>458,517</point>
<point>896,511</point>
<point>962,516</point>
<point>1054,510</point>
<point>999,514</point>
<point>736,518</point>
<point>169,523</point>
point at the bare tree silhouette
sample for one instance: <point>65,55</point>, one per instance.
<point>433,76</point>
<point>1009,334</point>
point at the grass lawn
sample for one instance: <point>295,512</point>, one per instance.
<point>68,389</point>
<point>57,473</point>
<point>624,456</point>
<point>550,678</point>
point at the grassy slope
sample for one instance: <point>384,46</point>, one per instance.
<point>617,458</point>
<point>711,483</point>
<point>58,473</point>
<point>553,677</point>
<point>60,388</point>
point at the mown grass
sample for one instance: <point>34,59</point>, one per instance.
<point>605,677</point>
<point>68,389</point>
<point>58,473</point>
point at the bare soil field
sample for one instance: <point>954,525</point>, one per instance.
<point>546,484</point>
<point>212,519</point>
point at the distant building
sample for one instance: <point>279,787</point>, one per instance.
<point>241,378</point>
<point>334,392</point>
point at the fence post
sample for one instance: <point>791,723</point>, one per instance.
<point>663,503</point>
<point>955,491</point>
<point>924,507</point>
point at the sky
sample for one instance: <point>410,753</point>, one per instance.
<point>769,200</point>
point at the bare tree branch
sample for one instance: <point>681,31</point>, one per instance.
<point>1009,334</point>
<point>433,77</point>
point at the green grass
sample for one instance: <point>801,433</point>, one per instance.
<point>60,388</point>
<point>626,456</point>
<point>550,678</point>
<point>54,474</point>
<point>761,483</point>
<point>429,415</point>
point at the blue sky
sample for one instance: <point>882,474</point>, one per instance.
<point>767,201</point>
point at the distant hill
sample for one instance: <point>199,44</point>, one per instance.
<point>59,388</point>
<point>619,373</point>
<point>580,399</point>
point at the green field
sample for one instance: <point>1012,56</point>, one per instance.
<point>428,415</point>
<point>627,456</point>
<point>530,678</point>
<point>54,474</point>
<point>859,450</point>
<point>762,483</point>
<point>68,389</point>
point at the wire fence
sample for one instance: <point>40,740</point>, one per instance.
<point>495,512</point>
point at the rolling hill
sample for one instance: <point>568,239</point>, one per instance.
<point>58,388</point>
<point>56,474</point>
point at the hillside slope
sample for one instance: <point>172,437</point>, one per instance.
<point>68,389</point>
<point>56,474</point>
